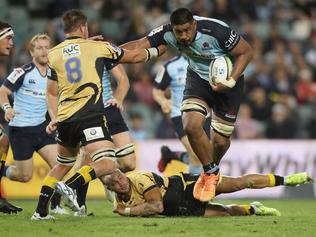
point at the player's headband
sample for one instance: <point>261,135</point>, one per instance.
<point>6,32</point>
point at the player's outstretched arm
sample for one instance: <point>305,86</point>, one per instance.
<point>142,55</point>
<point>142,43</point>
<point>152,206</point>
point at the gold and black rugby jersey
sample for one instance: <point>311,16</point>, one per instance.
<point>142,182</point>
<point>77,65</point>
<point>176,192</point>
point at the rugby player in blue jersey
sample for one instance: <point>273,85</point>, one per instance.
<point>201,40</point>
<point>6,45</point>
<point>28,116</point>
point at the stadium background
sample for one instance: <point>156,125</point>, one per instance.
<point>280,92</point>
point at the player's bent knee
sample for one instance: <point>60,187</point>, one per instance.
<point>104,166</point>
<point>223,129</point>
<point>192,127</point>
<point>127,165</point>
<point>126,157</point>
<point>68,161</point>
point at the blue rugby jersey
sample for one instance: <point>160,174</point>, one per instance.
<point>107,92</point>
<point>29,90</point>
<point>214,38</point>
<point>173,74</point>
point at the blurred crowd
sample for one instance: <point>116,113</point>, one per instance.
<point>280,91</point>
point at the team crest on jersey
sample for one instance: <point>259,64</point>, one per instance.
<point>72,50</point>
<point>205,46</point>
<point>15,75</point>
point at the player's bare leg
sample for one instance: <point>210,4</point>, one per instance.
<point>255,208</point>
<point>220,146</point>
<point>193,118</point>
<point>258,181</point>
<point>125,152</point>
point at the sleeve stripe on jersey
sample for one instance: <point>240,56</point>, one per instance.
<point>211,19</point>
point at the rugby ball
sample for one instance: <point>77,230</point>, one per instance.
<point>220,70</point>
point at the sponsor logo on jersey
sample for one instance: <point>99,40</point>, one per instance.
<point>231,114</point>
<point>190,53</point>
<point>160,74</point>
<point>15,75</point>
<point>34,93</point>
<point>32,81</point>
<point>232,40</point>
<point>93,133</point>
<point>72,50</point>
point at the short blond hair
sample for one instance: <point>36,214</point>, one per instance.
<point>36,38</point>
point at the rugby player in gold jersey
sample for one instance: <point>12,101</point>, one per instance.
<point>74,95</point>
<point>146,194</point>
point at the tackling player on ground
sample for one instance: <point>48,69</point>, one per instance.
<point>147,194</point>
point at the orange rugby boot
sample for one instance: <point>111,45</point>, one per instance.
<point>209,190</point>
<point>199,186</point>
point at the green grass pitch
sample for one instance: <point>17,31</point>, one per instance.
<point>298,219</point>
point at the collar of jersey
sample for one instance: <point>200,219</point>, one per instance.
<point>73,37</point>
<point>198,35</point>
